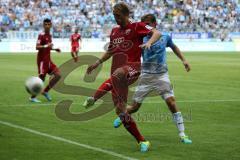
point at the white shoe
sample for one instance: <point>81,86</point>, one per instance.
<point>89,102</point>
<point>34,100</point>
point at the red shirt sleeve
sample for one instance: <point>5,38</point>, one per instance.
<point>142,29</point>
<point>39,41</point>
<point>110,46</point>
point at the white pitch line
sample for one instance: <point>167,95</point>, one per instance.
<point>67,141</point>
<point>205,82</point>
<point>146,102</point>
<point>213,100</point>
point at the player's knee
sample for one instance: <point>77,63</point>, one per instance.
<point>119,73</point>
<point>171,101</point>
<point>134,108</point>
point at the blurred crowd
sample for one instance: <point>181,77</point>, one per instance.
<point>95,19</point>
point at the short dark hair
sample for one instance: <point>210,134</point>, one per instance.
<point>123,7</point>
<point>47,20</point>
<point>151,17</point>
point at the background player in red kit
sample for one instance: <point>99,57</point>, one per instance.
<point>75,38</point>
<point>44,62</point>
<point>125,42</point>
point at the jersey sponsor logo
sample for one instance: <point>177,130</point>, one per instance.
<point>118,40</point>
<point>124,46</point>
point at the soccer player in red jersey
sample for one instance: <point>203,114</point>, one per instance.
<point>44,62</point>
<point>75,38</point>
<point>126,43</point>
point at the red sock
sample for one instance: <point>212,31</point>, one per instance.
<point>75,59</point>
<point>52,82</point>
<point>47,88</point>
<point>131,126</point>
<point>103,89</point>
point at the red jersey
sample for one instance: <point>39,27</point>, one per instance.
<point>127,40</point>
<point>75,39</point>
<point>44,53</point>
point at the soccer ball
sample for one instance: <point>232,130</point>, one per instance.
<point>34,85</point>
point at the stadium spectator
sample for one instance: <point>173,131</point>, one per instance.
<point>209,16</point>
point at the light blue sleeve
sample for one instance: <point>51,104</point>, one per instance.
<point>170,42</point>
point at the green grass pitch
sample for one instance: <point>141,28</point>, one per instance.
<point>208,97</point>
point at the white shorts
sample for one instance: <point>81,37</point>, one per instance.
<point>153,82</point>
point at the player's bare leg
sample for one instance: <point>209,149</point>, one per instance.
<point>75,56</point>
<point>120,91</point>
<point>55,78</point>
<point>134,107</point>
<point>178,119</point>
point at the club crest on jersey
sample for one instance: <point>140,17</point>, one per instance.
<point>149,27</point>
<point>127,31</point>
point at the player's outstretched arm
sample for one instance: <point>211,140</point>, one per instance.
<point>179,54</point>
<point>39,46</point>
<point>155,36</point>
<point>105,57</point>
<point>56,49</point>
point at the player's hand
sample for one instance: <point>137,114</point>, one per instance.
<point>187,66</point>
<point>50,45</point>
<point>58,50</point>
<point>92,67</point>
<point>146,45</point>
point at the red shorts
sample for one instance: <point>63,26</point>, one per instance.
<point>132,73</point>
<point>75,48</point>
<point>47,68</point>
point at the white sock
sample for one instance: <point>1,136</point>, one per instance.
<point>178,120</point>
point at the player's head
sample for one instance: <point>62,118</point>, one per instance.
<point>121,13</point>
<point>76,30</point>
<point>149,19</point>
<point>47,24</point>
